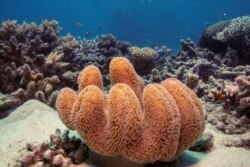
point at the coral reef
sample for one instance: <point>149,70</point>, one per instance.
<point>156,77</point>
<point>162,53</point>
<point>213,77</point>
<point>242,142</point>
<point>29,50</point>
<point>235,95</point>
<point>143,59</point>
<point>61,150</point>
<point>138,121</point>
<point>207,38</point>
<point>99,52</point>
<point>122,127</point>
<point>228,123</point>
<point>232,34</point>
<point>34,62</point>
<point>237,26</point>
<point>110,47</point>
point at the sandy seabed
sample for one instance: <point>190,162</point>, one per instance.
<point>33,122</point>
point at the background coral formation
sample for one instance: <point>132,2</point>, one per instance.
<point>226,35</point>
<point>143,59</point>
<point>36,62</point>
<point>27,52</point>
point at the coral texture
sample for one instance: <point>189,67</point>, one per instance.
<point>234,33</point>
<point>238,26</point>
<point>61,150</point>
<point>143,59</point>
<point>99,52</point>
<point>121,71</point>
<point>235,95</point>
<point>34,60</point>
<point>90,75</point>
<point>142,124</point>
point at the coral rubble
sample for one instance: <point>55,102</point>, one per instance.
<point>61,150</point>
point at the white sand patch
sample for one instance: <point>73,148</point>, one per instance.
<point>226,157</point>
<point>33,122</point>
<point>220,156</point>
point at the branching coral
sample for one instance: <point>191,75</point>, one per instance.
<point>110,47</point>
<point>189,47</point>
<point>7,102</point>
<point>207,37</point>
<point>243,95</point>
<point>236,95</point>
<point>142,124</point>
<point>34,60</point>
<point>32,53</point>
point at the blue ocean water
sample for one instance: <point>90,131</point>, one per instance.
<point>141,22</point>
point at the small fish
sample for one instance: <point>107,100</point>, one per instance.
<point>99,27</point>
<point>206,24</point>
<point>224,14</point>
<point>87,34</point>
<point>78,24</point>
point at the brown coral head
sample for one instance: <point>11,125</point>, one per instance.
<point>143,125</point>
<point>142,53</point>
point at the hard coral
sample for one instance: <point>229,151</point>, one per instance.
<point>237,26</point>
<point>236,95</point>
<point>234,33</point>
<point>143,59</point>
<point>34,60</point>
<point>110,47</point>
<point>207,37</point>
<point>143,125</point>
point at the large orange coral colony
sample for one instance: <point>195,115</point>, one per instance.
<point>157,122</point>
